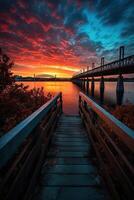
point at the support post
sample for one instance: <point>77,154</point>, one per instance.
<point>87,85</point>
<point>87,90</point>
<point>120,81</point>
<point>92,87</point>
<point>83,82</point>
<point>120,90</point>
<point>102,85</point>
<point>92,83</point>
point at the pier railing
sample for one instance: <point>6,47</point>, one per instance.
<point>113,143</point>
<point>124,66</point>
<point>23,148</point>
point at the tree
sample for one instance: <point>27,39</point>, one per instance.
<point>16,100</point>
<point>6,77</point>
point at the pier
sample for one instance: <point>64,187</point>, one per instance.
<point>124,65</point>
<point>50,155</point>
<point>55,155</point>
<point>66,100</point>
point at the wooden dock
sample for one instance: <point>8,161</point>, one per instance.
<point>68,171</point>
<point>51,156</point>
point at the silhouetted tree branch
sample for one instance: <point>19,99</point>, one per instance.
<point>6,77</point>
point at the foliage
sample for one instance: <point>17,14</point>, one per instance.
<point>125,113</point>
<point>16,101</point>
<point>6,77</point>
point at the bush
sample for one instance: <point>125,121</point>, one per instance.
<point>125,113</point>
<point>17,102</point>
<point>6,76</point>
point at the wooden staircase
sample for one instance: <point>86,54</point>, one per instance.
<point>68,171</point>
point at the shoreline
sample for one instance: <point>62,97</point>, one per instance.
<point>30,79</point>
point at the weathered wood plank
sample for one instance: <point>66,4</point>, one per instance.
<point>67,165</point>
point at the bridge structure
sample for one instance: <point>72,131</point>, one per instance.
<point>53,156</point>
<point>124,65</point>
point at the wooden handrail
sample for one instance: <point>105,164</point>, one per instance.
<point>113,143</point>
<point>124,133</point>
<point>10,142</point>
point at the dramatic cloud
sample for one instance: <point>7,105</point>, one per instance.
<point>62,36</point>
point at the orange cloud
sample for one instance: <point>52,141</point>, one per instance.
<point>43,41</point>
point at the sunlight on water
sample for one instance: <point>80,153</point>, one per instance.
<point>69,91</point>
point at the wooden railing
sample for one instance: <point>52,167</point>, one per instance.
<point>113,143</point>
<point>23,148</point>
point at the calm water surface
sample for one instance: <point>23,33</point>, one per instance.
<point>70,93</point>
<point>110,92</point>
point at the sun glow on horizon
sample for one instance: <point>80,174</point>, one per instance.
<point>52,70</point>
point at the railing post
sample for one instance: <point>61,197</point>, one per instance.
<point>85,105</point>
<point>61,102</point>
<point>113,143</point>
<point>11,141</point>
<point>79,99</point>
<point>79,102</point>
<point>94,118</point>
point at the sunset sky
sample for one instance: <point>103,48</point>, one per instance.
<point>63,36</point>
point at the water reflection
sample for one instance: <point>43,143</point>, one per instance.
<point>69,91</point>
<point>110,92</point>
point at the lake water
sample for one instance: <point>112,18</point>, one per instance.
<point>71,92</point>
<point>110,92</point>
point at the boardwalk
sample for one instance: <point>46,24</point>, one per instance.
<point>59,153</point>
<point>68,171</point>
